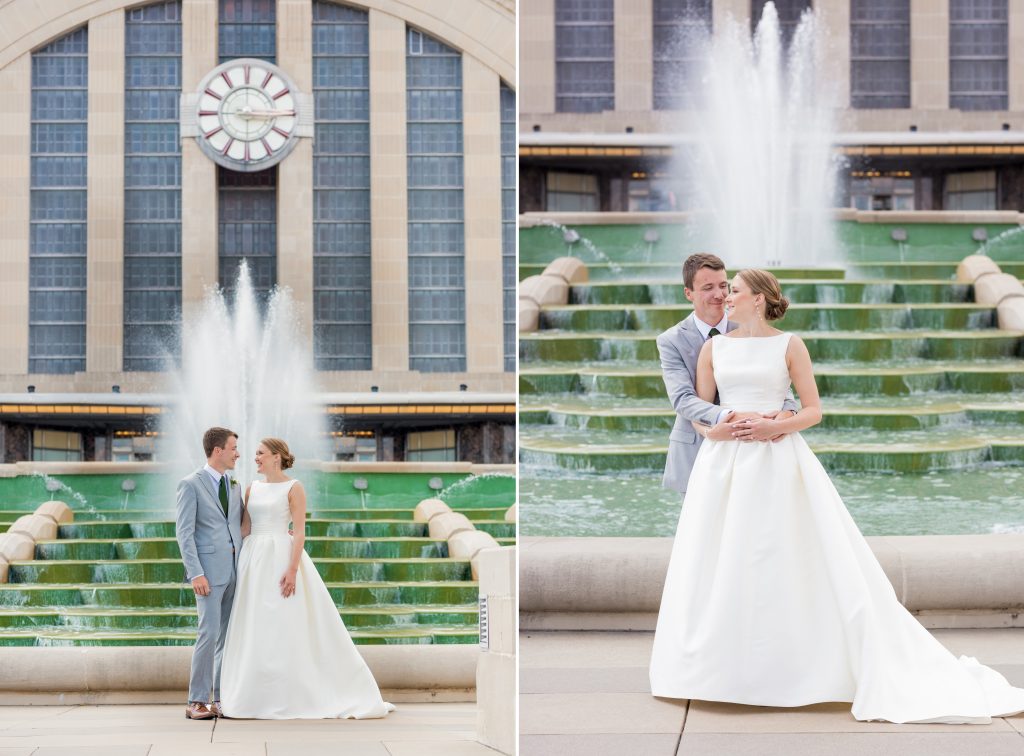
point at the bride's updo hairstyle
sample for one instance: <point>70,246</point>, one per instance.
<point>277,446</point>
<point>763,282</point>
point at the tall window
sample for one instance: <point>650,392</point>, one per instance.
<point>341,188</point>
<point>680,29</point>
<point>978,48</point>
<point>880,53</point>
<point>248,29</point>
<point>584,56</point>
<point>247,228</point>
<point>152,181</point>
<point>57,241</point>
<point>789,12</point>
<point>437,266</point>
<point>508,223</point>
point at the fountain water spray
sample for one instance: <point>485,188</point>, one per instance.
<point>247,372</point>
<point>763,159</point>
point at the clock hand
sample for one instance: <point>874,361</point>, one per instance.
<point>262,113</point>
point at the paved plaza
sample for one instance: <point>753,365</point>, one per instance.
<point>415,729</point>
<point>587,693</point>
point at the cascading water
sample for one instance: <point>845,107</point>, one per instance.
<point>245,371</point>
<point>762,146</point>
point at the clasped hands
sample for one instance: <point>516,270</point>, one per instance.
<point>749,426</point>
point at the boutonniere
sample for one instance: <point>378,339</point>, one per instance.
<point>233,482</point>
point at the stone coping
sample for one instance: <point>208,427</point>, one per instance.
<point>138,468</point>
<point>613,583</point>
<point>418,672</point>
<point>979,217</point>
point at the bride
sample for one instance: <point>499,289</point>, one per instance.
<point>287,654</point>
<point>773,597</point>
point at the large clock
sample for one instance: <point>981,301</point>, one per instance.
<point>245,114</point>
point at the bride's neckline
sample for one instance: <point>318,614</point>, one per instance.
<point>739,338</point>
<point>276,483</point>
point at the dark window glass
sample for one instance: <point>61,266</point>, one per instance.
<point>437,278</point>
<point>247,29</point>
<point>880,53</point>
<point>978,54</point>
<point>584,56</point>
<point>57,201</point>
<point>152,181</point>
<point>681,28</point>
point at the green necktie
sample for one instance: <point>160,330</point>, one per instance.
<point>224,494</point>
<point>713,332</point>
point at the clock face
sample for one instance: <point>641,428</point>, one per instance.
<point>246,114</point>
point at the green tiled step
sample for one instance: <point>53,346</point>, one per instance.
<point>479,513</point>
<point>636,415</point>
<point>670,271</point>
<point>645,381</point>
<point>798,291</point>
<point>842,345</point>
<point>647,454</point>
<point>446,593</point>
<point>169,570</point>
<point>167,548</point>
<point>186,637</point>
<point>923,270</point>
<point>800,317</point>
<point>107,618</point>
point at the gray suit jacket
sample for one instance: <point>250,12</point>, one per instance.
<point>679,347</point>
<point>206,537</point>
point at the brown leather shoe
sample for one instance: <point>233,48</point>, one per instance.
<point>197,710</point>
<point>215,708</point>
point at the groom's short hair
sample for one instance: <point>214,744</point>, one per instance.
<point>696,262</point>
<point>215,437</point>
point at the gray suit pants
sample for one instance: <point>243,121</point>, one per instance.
<point>214,611</point>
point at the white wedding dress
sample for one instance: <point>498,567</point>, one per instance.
<point>288,658</point>
<point>774,598</point>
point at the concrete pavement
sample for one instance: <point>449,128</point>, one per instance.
<point>415,729</point>
<point>588,693</point>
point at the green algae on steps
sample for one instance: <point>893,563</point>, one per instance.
<point>799,317</point>
<point>838,345</point>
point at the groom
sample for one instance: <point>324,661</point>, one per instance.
<point>209,531</point>
<point>706,285</point>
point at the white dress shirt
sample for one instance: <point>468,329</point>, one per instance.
<point>705,329</point>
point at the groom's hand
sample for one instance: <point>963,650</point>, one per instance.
<point>720,432</point>
<point>201,586</point>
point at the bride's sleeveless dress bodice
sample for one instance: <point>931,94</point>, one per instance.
<point>774,598</point>
<point>288,658</point>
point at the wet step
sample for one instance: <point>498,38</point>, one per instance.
<point>821,290</point>
<point>570,346</point>
<point>655,415</point>
<point>111,618</point>
<point>848,451</point>
<point>186,637</point>
<point>177,594</point>
<point>167,548</point>
<point>480,513</point>
<point>800,317</point>
<point>171,570</point>
<point>644,381</point>
<point>671,271</point>
<point>923,269</point>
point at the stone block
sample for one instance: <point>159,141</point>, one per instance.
<point>466,543</point>
<point>1011,314</point>
<point>57,511</point>
<point>495,696</point>
<point>550,290</point>
<point>497,571</point>
<point>3,570</point>
<point>993,288</point>
<point>36,527</point>
<point>571,269</point>
<point>512,513</point>
<point>502,631</point>
<point>973,266</point>
<point>527,286</point>
<point>529,315</point>
<point>444,526</point>
<point>428,509</point>
<point>16,547</point>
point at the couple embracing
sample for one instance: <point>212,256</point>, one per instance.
<point>773,597</point>
<point>270,642</point>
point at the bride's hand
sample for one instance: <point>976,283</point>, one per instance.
<point>755,429</point>
<point>288,583</point>
<point>780,415</point>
